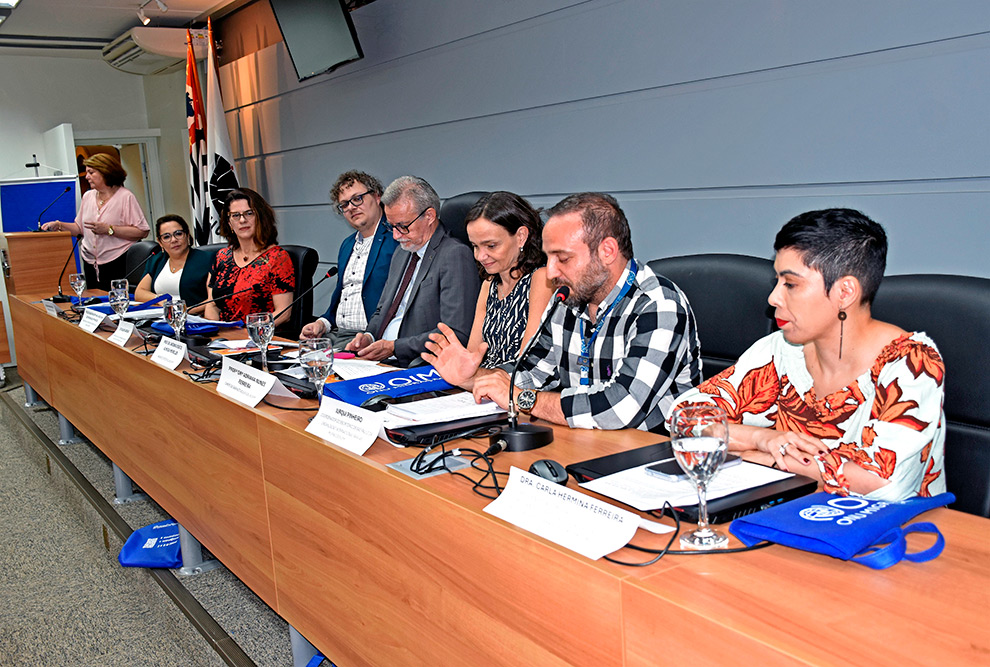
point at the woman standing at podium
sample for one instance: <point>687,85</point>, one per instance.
<point>252,260</point>
<point>109,221</point>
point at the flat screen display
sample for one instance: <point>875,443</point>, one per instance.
<point>318,34</point>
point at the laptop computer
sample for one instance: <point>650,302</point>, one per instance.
<point>720,510</point>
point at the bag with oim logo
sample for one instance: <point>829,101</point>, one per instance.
<point>866,531</point>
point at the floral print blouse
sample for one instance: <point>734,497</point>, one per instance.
<point>889,421</point>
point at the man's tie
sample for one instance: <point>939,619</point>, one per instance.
<point>403,286</point>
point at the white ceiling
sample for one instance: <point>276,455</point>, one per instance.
<point>80,28</point>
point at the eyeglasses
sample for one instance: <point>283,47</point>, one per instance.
<point>168,236</point>
<point>404,229</point>
<point>247,215</point>
<point>354,201</point>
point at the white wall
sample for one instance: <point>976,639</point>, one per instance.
<point>713,122</point>
<point>38,93</point>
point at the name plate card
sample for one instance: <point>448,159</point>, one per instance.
<point>91,320</point>
<point>123,333</point>
<point>248,385</point>
<point>353,428</point>
<point>51,308</point>
<point>572,519</point>
<point>169,353</point>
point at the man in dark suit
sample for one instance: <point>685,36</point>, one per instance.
<point>363,259</point>
<point>432,278</point>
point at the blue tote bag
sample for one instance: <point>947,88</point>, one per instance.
<point>156,545</point>
<point>869,532</point>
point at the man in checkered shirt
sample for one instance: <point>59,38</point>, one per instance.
<point>620,352</point>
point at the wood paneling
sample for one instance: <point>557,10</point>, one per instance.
<point>36,260</point>
<point>376,568</point>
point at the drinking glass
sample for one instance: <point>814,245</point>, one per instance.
<point>316,357</point>
<point>174,312</point>
<point>699,436</point>
<point>119,283</point>
<point>120,301</point>
<point>261,328</point>
<point>77,281</point>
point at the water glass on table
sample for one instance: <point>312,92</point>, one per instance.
<point>119,283</point>
<point>77,281</point>
<point>316,357</point>
<point>699,436</point>
<point>120,301</point>
<point>174,312</point>
<point>261,328</point>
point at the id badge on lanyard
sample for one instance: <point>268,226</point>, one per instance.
<point>584,360</point>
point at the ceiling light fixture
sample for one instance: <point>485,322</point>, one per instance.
<point>8,4</point>
<point>162,6</point>
<point>141,15</point>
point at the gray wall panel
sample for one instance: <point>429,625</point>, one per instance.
<point>713,122</point>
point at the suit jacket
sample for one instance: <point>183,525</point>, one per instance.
<point>375,271</point>
<point>445,290</point>
<point>192,283</point>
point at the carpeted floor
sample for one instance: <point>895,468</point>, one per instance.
<point>66,600</point>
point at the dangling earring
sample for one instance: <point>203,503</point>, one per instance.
<point>842,323</point>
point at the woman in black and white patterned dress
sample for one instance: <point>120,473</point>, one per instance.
<point>505,234</point>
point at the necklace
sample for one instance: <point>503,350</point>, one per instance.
<point>101,200</point>
<point>177,268</point>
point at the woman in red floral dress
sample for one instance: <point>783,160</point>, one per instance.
<point>253,259</point>
<point>836,395</point>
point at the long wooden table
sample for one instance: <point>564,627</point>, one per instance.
<point>376,568</point>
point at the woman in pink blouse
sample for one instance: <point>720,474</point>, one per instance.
<point>835,394</point>
<point>109,221</point>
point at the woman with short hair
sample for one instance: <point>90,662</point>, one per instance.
<point>836,395</point>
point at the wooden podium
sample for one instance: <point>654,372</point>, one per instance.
<point>36,259</point>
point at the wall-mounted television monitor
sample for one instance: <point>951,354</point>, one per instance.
<point>318,34</point>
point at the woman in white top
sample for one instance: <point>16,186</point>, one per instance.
<point>180,270</point>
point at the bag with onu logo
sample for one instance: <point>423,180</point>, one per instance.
<point>866,531</point>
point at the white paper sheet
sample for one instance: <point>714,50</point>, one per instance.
<point>591,527</point>
<point>351,369</point>
<point>444,408</point>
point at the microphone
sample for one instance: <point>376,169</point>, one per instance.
<point>141,265</point>
<point>330,274</point>
<point>253,288</point>
<point>523,437</point>
<point>67,189</point>
<point>61,298</point>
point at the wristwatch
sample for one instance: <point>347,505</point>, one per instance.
<point>526,400</point>
<point>110,230</point>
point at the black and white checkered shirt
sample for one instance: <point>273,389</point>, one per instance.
<point>645,355</point>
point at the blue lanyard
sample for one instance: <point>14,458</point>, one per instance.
<point>584,361</point>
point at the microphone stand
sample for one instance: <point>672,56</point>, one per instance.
<point>60,297</point>
<point>523,437</point>
<point>67,189</point>
<point>330,274</point>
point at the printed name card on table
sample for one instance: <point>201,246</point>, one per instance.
<point>353,428</point>
<point>123,333</point>
<point>51,308</point>
<point>91,320</point>
<point>574,520</point>
<point>248,385</point>
<point>169,353</point>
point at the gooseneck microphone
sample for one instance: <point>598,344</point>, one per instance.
<point>253,288</point>
<point>60,297</point>
<point>522,437</point>
<point>67,189</point>
<point>330,274</point>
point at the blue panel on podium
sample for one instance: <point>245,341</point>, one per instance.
<point>22,202</point>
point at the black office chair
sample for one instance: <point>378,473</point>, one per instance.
<point>212,248</point>
<point>955,313</point>
<point>453,211</point>
<point>135,258</point>
<point>304,261</point>
<point>728,294</point>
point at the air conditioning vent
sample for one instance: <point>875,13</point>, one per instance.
<point>150,51</point>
